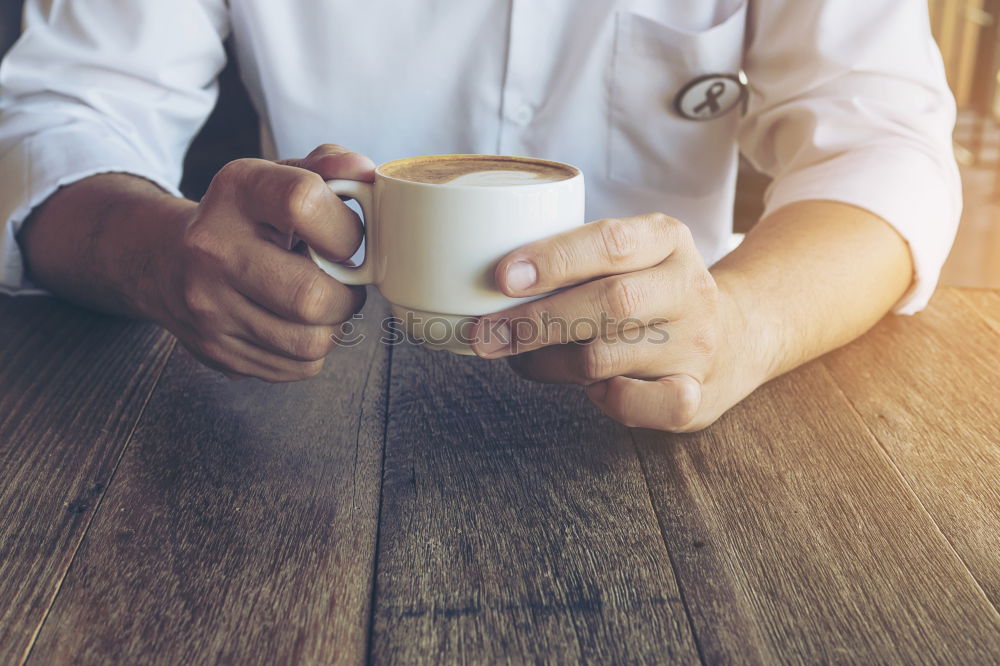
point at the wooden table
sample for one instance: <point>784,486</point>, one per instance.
<point>414,506</point>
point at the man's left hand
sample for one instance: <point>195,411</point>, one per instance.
<point>639,321</point>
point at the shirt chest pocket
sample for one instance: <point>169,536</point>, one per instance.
<point>651,144</point>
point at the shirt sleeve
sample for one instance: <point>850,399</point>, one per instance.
<point>848,102</point>
<point>96,86</point>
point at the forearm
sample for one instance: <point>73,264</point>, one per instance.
<point>97,242</point>
<point>808,279</point>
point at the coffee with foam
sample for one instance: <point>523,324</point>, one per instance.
<point>477,171</point>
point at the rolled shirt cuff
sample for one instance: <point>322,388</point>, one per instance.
<point>34,168</point>
<point>919,197</point>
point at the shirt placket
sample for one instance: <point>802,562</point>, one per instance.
<point>518,105</point>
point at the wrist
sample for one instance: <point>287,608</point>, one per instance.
<point>100,242</point>
<point>749,342</point>
<point>151,277</point>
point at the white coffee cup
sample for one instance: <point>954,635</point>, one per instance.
<point>431,248</point>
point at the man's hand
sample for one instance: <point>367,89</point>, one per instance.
<point>219,274</point>
<point>643,325</point>
<point>660,341</point>
<point>232,290</point>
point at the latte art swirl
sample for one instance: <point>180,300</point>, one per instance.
<point>477,171</point>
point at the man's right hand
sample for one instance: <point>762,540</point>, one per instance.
<point>219,274</point>
<point>232,290</point>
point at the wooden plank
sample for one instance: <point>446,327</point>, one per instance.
<point>241,525</point>
<point>796,541</point>
<point>516,527</point>
<point>72,386</point>
<point>928,387</point>
<point>986,303</point>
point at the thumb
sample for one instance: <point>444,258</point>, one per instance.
<point>670,403</point>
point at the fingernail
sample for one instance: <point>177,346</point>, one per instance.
<point>521,275</point>
<point>597,391</point>
<point>492,338</point>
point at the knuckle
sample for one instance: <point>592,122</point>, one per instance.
<point>705,342</point>
<point>682,413</point>
<point>543,327</point>
<point>598,362</point>
<point>663,220</point>
<point>527,329</point>
<point>310,369</point>
<point>619,240</point>
<point>236,169</point>
<point>201,241</point>
<point>329,149</point>
<point>198,301</point>
<point>681,409</point>
<point>557,261</point>
<point>304,194</point>
<point>313,298</point>
<point>214,351</point>
<point>622,298</point>
<point>682,233</point>
<point>293,372</point>
<point>671,229</point>
<point>316,344</point>
<point>705,287</point>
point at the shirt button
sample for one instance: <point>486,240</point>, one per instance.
<point>523,114</point>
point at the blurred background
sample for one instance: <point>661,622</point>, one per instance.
<point>967,31</point>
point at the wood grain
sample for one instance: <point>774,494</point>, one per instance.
<point>928,387</point>
<point>844,513</point>
<point>72,386</point>
<point>796,541</point>
<point>241,525</point>
<point>985,303</point>
<point>516,527</point>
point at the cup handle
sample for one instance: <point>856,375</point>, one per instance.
<point>364,273</point>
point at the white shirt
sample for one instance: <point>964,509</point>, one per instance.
<point>847,99</point>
